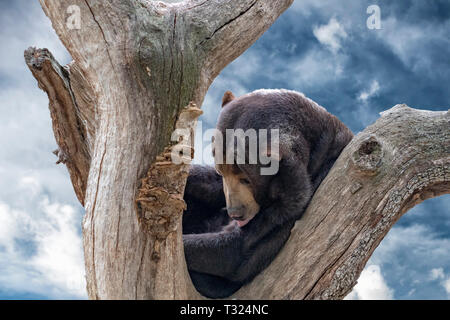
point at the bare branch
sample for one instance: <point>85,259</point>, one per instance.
<point>226,29</point>
<point>68,119</point>
<point>102,27</point>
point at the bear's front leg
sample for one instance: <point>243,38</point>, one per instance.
<point>218,253</point>
<point>205,185</point>
<point>205,202</point>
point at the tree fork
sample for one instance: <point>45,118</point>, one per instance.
<point>137,64</point>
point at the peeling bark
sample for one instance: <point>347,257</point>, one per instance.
<point>137,64</point>
<point>69,121</point>
<point>160,207</point>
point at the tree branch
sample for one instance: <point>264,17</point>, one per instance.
<point>394,164</point>
<point>70,114</point>
<point>102,25</point>
<point>225,29</point>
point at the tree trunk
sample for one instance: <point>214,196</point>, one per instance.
<point>140,70</point>
<point>137,65</point>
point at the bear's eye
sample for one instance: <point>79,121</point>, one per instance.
<point>244,181</point>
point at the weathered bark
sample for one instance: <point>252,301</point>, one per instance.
<point>71,118</point>
<point>136,65</point>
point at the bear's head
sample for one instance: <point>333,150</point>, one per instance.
<point>247,155</point>
<point>239,193</point>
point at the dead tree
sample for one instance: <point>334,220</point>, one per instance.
<point>140,69</point>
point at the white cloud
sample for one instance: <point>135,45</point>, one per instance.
<point>41,251</point>
<point>327,8</point>
<point>374,88</point>
<point>411,258</point>
<point>417,241</point>
<point>59,247</point>
<point>363,114</point>
<point>411,292</point>
<point>315,69</point>
<point>8,227</point>
<point>30,184</point>
<point>371,286</point>
<point>437,273</point>
<point>407,41</point>
<point>26,26</point>
<point>40,241</point>
<point>446,285</point>
<point>26,136</point>
<point>330,34</point>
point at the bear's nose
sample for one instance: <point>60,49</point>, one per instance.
<point>236,213</point>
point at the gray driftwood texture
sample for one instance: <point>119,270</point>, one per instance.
<point>140,69</point>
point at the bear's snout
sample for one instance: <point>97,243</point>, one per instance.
<point>236,213</point>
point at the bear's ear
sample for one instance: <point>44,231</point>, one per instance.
<point>227,97</point>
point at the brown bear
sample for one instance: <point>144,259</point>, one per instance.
<point>238,217</point>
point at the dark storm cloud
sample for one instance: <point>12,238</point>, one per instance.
<point>408,57</point>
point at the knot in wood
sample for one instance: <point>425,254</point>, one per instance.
<point>368,157</point>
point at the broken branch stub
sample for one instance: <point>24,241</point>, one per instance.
<point>68,126</point>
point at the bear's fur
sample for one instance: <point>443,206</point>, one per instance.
<point>223,254</point>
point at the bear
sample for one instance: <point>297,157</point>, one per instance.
<point>238,218</point>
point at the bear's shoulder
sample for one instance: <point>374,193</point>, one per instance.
<point>204,180</point>
<point>286,93</point>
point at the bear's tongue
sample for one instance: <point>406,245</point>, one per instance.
<point>242,223</point>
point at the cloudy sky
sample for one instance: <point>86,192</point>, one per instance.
<point>321,48</point>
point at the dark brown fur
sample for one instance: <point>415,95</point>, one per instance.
<point>221,256</point>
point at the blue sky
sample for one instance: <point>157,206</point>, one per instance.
<point>321,48</point>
